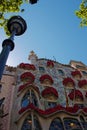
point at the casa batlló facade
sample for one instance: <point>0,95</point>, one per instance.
<point>44,95</point>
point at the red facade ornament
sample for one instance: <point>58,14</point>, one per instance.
<point>85,109</point>
<point>73,109</point>
<point>76,72</point>
<point>50,63</point>
<point>81,83</point>
<point>22,87</point>
<point>27,66</point>
<point>28,75</point>
<point>46,76</point>
<point>74,94</point>
<point>40,111</point>
<point>68,80</point>
<point>49,111</point>
<point>48,91</point>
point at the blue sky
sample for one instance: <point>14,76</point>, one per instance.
<point>53,31</point>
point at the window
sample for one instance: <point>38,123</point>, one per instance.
<point>1,101</point>
<point>28,98</point>
<point>27,125</point>
<point>84,73</point>
<point>41,69</point>
<point>80,67</point>
<point>34,99</point>
<point>61,73</point>
<point>36,124</point>
<point>51,104</point>
<point>81,106</point>
<point>18,79</point>
<point>56,125</point>
<point>72,124</point>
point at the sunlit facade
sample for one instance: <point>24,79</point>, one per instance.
<point>44,95</point>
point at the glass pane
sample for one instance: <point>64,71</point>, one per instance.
<point>36,124</point>
<point>41,69</point>
<point>34,99</point>
<point>27,125</point>
<point>61,72</point>
<point>72,124</point>
<point>56,125</point>
<point>51,104</point>
<point>81,106</point>
<point>26,100</point>
<point>25,103</point>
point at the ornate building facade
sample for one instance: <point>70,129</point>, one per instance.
<point>44,95</point>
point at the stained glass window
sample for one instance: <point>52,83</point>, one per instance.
<point>27,125</point>
<point>36,124</point>
<point>72,124</point>
<point>34,99</point>
<point>56,125</point>
<point>28,98</point>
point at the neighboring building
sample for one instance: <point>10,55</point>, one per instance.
<point>44,95</point>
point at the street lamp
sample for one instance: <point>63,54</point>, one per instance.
<point>17,26</point>
<point>33,1</point>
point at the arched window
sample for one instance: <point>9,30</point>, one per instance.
<point>60,72</point>
<point>31,122</point>
<point>56,125</point>
<point>27,125</point>
<point>36,124</point>
<point>72,124</point>
<point>41,69</point>
<point>34,98</point>
<point>28,98</point>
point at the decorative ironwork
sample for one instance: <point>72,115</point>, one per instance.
<point>17,24</point>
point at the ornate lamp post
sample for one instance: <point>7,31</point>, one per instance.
<point>33,1</point>
<point>17,26</point>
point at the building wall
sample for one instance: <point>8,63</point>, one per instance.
<point>7,90</point>
<point>58,77</point>
<point>34,79</point>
